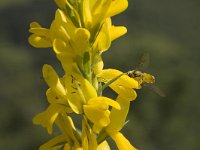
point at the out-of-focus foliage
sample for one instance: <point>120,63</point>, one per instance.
<point>167,30</point>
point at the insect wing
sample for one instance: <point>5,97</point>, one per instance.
<point>156,89</point>
<point>143,61</point>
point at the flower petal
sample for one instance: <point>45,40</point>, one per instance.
<point>118,117</point>
<point>48,117</point>
<point>116,7</point>
<point>52,79</point>
<point>39,41</point>
<point>124,80</point>
<point>103,146</point>
<point>124,92</point>
<point>121,141</point>
<point>117,31</point>
<point>103,39</point>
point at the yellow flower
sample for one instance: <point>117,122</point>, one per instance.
<point>53,81</point>
<point>124,85</point>
<point>97,111</point>
<point>41,36</point>
<point>82,98</point>
<point>79,92</point>
<point>48,117</point>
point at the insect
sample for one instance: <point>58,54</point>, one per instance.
<point>143,78</point>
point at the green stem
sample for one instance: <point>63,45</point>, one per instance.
<point>103,135</point>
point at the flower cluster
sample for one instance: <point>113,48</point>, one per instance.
<point>81,31</point>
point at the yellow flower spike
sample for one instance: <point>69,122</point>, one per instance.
<point>52,79</point>
<point>121,141</point>
<point>103,40</point>
<point>53,142</point>
<point>117,31</point>
<point>97,110</point>
<point>48,117</point>
<point>118,117</point>
<point>116,7</point>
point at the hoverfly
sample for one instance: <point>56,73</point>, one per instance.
<point>144,78</point>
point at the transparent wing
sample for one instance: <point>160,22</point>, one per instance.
<point>143,61</point>
<point>155,89</point>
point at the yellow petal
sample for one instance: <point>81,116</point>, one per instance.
<point>61,3</point>
<point>117,31</point>
<point>116,7</point>
<point>98,67</point>
<point>86,13</point>
<point>121,141</point>
<point>103,39</point>
<point>52,79</point>
<point>39,41</point>
<point>103,146</point>
<point>89,141</point>
<point>103,100</point>
<point>60,46</point>
<point>81,40</point>
<point>124,80</point>
<point>99,10</point>
<point>96,115</point>
<point>88,90</point>
<point>118,117</point>
<point>80,91</point>
<point>40,31</point>
<point>97,111</point>
<point>124,92</point>
<point>35,25</point>
<point>48,117</point>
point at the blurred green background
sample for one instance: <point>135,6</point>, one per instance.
<point>168,30</point>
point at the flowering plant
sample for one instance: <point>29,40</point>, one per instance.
<point>81,31</point>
